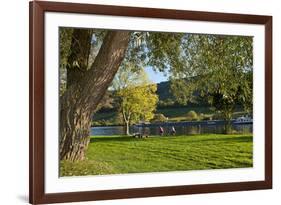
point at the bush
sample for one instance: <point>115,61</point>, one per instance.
<point>166,103</point>
<point>202,116</point>
<point>159,118</point>
<point>192,116</point>
<point>95,124</point>
<point>207,117</point>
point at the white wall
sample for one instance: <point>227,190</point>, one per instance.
<point>14,100</point>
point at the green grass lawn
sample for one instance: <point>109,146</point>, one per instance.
<point>122,154</point>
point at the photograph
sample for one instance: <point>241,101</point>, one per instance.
<point>130,102</point>
<point>138,102</point>
<point>150,101</point>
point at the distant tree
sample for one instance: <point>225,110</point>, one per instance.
<point>192,115</point>
<point>220,69</point>
<point>137,103</point>
<point>137,96</point>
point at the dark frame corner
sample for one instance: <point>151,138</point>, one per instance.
<point>36,101</point>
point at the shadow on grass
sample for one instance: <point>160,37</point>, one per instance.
<point>115,139</point>
<point>226,139</point>
<point>247,138</point>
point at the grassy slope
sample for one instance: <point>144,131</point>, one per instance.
<point>173,113</point>
<point>168,112</point>
<point>182,111</point>
<point>120,154</point>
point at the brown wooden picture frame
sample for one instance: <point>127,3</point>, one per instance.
<point>37,10</point>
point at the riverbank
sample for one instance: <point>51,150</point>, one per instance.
<point>173,114</point>
<point>121,154</point>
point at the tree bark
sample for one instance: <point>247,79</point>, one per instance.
<point>77,63</point>
<point>126,119</point>
<point>84,94</point>
<point>127,129</point>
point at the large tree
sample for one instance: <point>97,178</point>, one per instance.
<point>86,86</point>
<point>89,60</point>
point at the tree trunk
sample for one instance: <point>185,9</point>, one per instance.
<point>126,119</point>
<point>127,128</point>
<point>84,94</point>
<point>228,126</point>
<point>78,58</point>
<point>75,122</point>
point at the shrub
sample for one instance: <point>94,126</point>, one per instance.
<point>203,116</point>
<point>207,117</point>
<point>192,115</point>
<point>159,118</point>
<point>95,123</point>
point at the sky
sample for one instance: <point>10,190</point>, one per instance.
<point>155,76</point>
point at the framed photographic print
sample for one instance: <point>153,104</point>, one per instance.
<point>132,102</point>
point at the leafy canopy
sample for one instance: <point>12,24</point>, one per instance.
<point>215,67</point>
<point>137,95</point>
<point>218,68</point>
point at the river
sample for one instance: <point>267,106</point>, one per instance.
<point>203,127</point>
